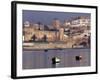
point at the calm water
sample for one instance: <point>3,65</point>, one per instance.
<point>43,59</point>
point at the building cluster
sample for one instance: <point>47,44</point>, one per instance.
<point>57,31</point>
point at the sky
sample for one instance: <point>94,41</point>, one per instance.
<point>46,17</point>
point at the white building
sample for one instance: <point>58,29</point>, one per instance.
<point>80,21</point>
<point>26,24</point>
<point>67,23</point>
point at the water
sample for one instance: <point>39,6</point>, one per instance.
<point>43,59</point>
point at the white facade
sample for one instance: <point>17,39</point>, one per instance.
<point>26,24</point>
<point>81,22</point>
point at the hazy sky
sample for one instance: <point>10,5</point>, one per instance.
<point>46,17</point>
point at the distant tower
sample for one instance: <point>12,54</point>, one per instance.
<point>26,24</point>
<point>56,24</point>
<point>61,34</point>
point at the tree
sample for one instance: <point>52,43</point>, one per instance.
<point>44,38</point>
<point>33,37</point>
<point>39,23</point>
